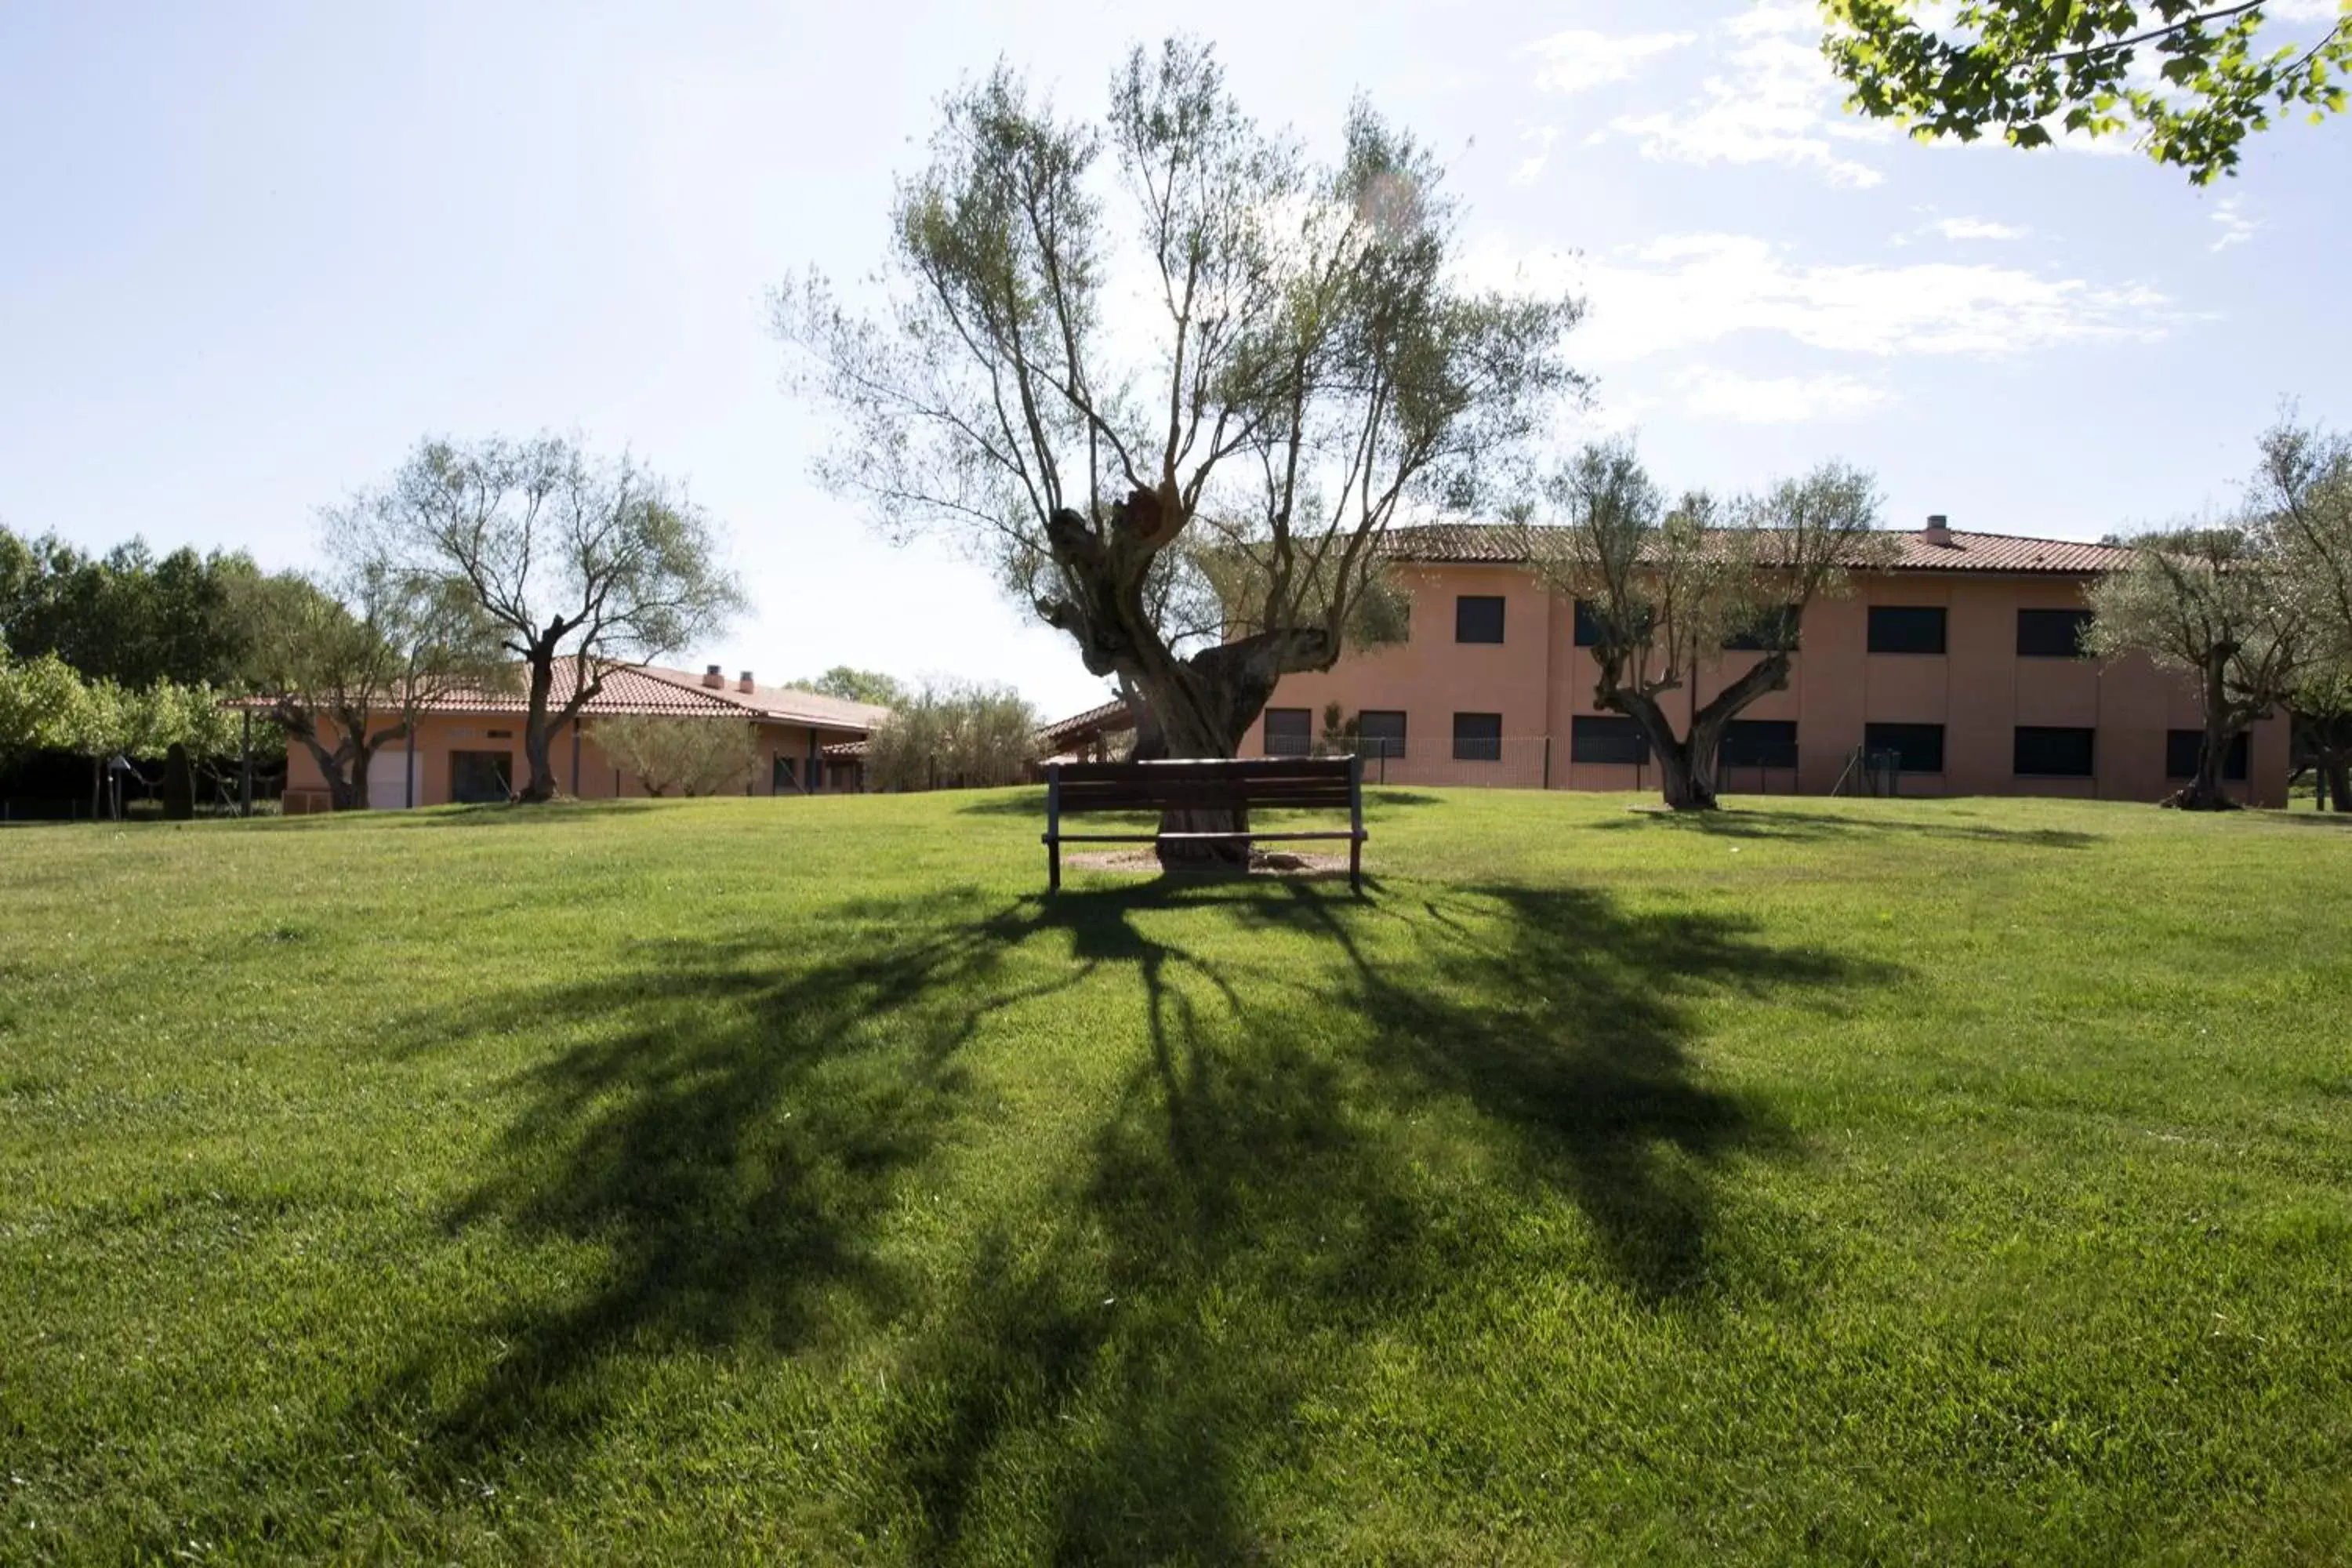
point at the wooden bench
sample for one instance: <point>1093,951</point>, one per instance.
<point>1074,789</point>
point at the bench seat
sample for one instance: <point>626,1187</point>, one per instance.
<point>1225,784</point>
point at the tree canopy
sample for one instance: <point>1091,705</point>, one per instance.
<point>128,615</point>
<point>1107,349</point>
<point>857,686</point>
<point>576,562</point>
<point>2193,78</point>
<point>2301,500</point>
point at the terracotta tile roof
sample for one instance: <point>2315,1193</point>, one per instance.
<point>1469,544</point>
<point>653,691</point>
<point>1112,715</point>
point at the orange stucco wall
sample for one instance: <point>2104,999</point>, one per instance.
<point>1979,689</point>
<point>593,777</point>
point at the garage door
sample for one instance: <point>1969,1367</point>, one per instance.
<point>388,779</point>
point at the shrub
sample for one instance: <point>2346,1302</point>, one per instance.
<point>692,756</point>
<point>960,736</point>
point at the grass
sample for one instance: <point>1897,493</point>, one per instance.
<point>1965,1182</point>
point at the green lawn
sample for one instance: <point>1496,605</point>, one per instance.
<point>1880,1181</point>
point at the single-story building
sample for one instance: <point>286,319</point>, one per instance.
<point>469,745</point>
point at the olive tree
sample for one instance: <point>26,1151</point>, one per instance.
<point>581,564</point>
<point>351,661</point>
<point>1670,586</point>
<point>2321,705</point>
<point>1106,351</point>
<point>2302,496</point>
<point>2213,603</point>
<point>2300,499</point>
<point>2023,67</point>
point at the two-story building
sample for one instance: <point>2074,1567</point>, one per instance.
<point>1956,665</point>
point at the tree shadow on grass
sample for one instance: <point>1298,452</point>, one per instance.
<point>1305,1157</point>
<point>1258,1211</point>
<point>1802,827</point>
<point>728,1135</point>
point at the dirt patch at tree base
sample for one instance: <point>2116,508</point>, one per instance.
<point>1263,863</point>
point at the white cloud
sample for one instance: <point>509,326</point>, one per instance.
<point>1578,59</point>
<point>1976,228</point>
<point>1775,400</point>
<point>1772,98</point>
<point>2236,228</point>
<point>1531,167</point>
<point>1689,289</point>
<point>1766,17</point>
<point>1774,102</point>
<point>1710,392</point>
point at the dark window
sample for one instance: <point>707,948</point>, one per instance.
<point>1606,738</point>
<point>1478,737</point>
<point>1777,628</point>
<point>1589,622</point>
<point>1906,628</point>
<point>1380,734</point>
<point>2180,749</point>
<point>480,777</point>
<point>1918,748</point>
<point>2053,753</point>
<point>1758,744</point>
<point>1478,617</point>
<point>1289,732</point>
<point>779,776</point>
<point>2051,633</point>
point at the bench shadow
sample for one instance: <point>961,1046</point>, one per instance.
<point>732,1127</point>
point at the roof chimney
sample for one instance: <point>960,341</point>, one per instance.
<point>1938,531</point>
<point>745,684</point>
<point>714,678</point>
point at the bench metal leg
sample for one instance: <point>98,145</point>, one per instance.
<point>1053,829</point>
<point>1355,867</point>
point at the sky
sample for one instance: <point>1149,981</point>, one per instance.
<point>251,254</point>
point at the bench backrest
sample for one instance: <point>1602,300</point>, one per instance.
<point>1211,784</point>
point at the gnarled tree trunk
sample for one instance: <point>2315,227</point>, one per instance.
<point>1687,763</point>
<point>2204,791</point>
<point>1195,707</point>
<point>1203,707</point>
<point>538,730</point>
